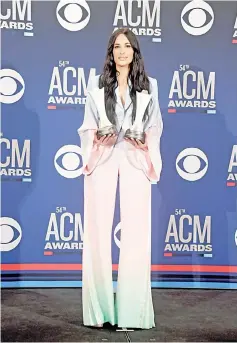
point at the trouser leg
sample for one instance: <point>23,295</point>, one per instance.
<point>134,306</point>
<point>99,202</point>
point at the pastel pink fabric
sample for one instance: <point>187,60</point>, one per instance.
<point>138,157</point>
<point>132,306</point>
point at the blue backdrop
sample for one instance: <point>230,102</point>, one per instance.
<point>50,49</point>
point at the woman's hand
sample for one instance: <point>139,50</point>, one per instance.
<point>107,140</point>
<point>138,144</point>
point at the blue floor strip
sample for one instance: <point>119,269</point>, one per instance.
<point>66,284</point>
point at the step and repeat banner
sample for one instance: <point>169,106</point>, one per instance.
<point>49,52</point>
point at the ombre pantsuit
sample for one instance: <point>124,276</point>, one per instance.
<point>103,167</point>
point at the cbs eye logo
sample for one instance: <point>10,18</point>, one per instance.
<point>73,15</point>
<point>116,239</point>
<point>197,17</point>
<point>8,242</point>
<point>70,162</point>
<point>194,164</point>
<point>10,80</point>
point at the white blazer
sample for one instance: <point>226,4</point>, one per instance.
<point>150,162</point>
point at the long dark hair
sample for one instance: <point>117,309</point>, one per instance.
<point>108,78</point>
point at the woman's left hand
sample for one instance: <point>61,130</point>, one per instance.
<point>138,144</point>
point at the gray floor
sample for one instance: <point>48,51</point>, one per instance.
<point>55,315</point>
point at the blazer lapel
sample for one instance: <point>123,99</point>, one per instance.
<point>128,99</point>
<point>143,99</point>
<point>118,99</point>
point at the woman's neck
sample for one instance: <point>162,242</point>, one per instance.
<point>122,76</point>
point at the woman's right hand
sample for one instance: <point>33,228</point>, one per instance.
<point>107,140</point>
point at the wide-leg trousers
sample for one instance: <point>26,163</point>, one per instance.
<point>132,306</point>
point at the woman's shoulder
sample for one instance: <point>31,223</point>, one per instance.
<point>93,82</point>
<point>153,82</point>
<point>153,86</point>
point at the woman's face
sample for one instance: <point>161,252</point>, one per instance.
<point>122,51</point>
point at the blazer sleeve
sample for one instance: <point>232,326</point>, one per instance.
<point>91,152</point>
<point>151,159</point>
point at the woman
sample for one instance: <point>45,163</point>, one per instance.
<point>122,93</point>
